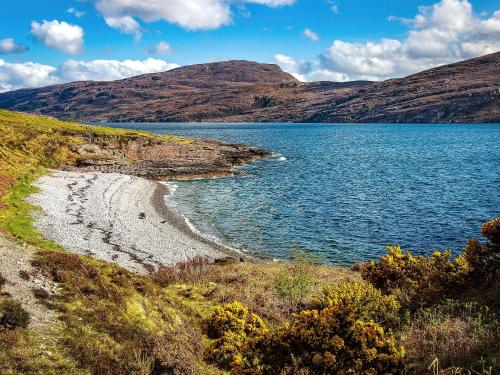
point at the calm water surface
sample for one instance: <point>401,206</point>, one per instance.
<point>344,192</point>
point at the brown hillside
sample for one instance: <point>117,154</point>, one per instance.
<point>236,91</point>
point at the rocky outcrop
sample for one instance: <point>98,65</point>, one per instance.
<point>157,158</point>
<point>237,91</point>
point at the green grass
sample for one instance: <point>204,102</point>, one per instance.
<point>44,124</point>
<point>49,125</point>
<point>24,352</point>
<point>115,320</point>
<point>17,219</point>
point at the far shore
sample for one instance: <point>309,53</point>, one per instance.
<point>118,218</point>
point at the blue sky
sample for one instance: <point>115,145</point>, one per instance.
<point>42,42</point>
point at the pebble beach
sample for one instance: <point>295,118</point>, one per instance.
<point>116,217</point>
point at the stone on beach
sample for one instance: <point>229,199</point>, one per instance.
<point>112,217</point>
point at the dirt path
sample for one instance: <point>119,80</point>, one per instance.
<point>13,259</point>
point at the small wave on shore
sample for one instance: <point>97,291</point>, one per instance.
<point>278,156</point>
<point>203,230</point>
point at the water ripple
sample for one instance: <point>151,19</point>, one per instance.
<point>345,192</point>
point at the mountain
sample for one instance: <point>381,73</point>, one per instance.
<point>236,91</point>
<point>468,91</point>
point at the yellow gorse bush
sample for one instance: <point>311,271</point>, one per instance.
<point>491,230</point>
<point>422,280</point>
<point>230,325</point>
<point>343,335</point>
<point>329,341</point>
<point>361,298</point>
<point>481,262</point>
<point>233,317</point>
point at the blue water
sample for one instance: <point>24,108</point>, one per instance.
<point>344,192</point>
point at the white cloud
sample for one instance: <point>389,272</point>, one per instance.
<point>13,76</point>
<point>305,71</point>
<point>75,12</point>
<point>126,25</point>
<point>272,3</point>
<point>196,14</point>
<point>161,48</point>
<point>59,35</point>
<point>20,75</point>
<point>445,32</point>
<point>10,46</point>
<point>299,69</point>
<point>308,33</point>
<point>334,6</point>
<point>191,15</point>
<point>363,60</point>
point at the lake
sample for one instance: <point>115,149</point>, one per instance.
<point>343,192</point>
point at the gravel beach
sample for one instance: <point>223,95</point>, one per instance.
<point>115,217</point>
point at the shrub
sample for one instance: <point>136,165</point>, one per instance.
<point>420,281</point>
<point>24,352</point>
<point>173,355</point>
<point>362,299</point>
<point>40,293</point>
<point>116,322</point>
<point>295,282</point>
<point>342,335</point>
<point>165,276</point>
<point>481,261</point>
<point>491,230</point>
<point>23,274</point>
<point>233,317</point>
<point>225,350</point>
<point>63,267</point>
<point>157,353</point>
<point>332,341</point>
<point>12,315</point>
<point>230,325</point>
<point>415,280</point>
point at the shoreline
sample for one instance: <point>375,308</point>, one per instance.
<point>174,219</point>
<point>118,218</point>
<point>178,221</point>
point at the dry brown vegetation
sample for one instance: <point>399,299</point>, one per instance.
<point>117,322</point>
<point>6,183</point>
<point>259,287</point>
<point>458,334</point>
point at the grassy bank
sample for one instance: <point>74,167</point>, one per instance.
<point>30,145</point>
<point>396,315</point>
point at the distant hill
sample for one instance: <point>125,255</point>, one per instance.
<point>467,91</point>
<point>226,71</point>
